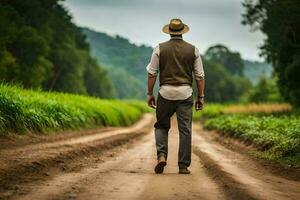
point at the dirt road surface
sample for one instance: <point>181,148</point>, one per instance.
<point>124,169</point>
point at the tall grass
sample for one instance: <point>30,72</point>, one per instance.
<point>141,105</point>
<point>270,108</point>
<point>215,110</point>
<point>24,111</point>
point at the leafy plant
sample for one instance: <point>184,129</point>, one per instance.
<point>277,136</point>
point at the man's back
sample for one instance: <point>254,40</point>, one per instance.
<point>176,62</point>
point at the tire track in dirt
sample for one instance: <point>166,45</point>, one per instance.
<point>230,187</point>
<point>24,165</point>
<point>130,175</point>
<point>239,176</point>
<point>100,181</point>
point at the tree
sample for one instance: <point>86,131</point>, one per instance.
<point>222,86</point>
<point>232,61</point>
<point>265,91</point>
<point>127,86</point>
<point>22,51</point>
<point>41,47</point>
<point>279,21</point>
<point>96,80</point>
<point>224,74</point>
<point>30,51</point>
<point>125,62</point>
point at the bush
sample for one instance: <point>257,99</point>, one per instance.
<point>278,136</point>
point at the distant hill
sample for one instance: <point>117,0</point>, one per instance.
<point>125,62</point>
<point>254,70</point>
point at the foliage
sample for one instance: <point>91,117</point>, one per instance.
<point>119,52</point>
<point>209,111</point>
<point>97,81</point>
<point>141,105</point>
<point>277,137</point>
<point>224,72</point>
<point>279,20</point>
<point>125,62</point>
<point>126,85</point>
<point>253,70</point>
<point>40,47</point>
<point>273,128</point>
<point>24,111</point>
<point>222,86</point>
<point>265,91</point>
<point>232,61</point>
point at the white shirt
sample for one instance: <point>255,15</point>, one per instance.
<point>172,92</point>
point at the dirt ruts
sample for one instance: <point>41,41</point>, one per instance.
<point>35,161</point>
<point>240,176</point>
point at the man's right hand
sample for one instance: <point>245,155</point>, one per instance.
<point>199,103</point>
<point>151,101</point>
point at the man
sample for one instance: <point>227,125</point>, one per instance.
<point>175,61</point>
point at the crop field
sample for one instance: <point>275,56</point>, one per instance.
<point>214,110</point>
<point>24,111</point>
<point>274,129</point>
<point>259,108</point>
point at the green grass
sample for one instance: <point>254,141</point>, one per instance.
<point>277,136</point>
<point>273,128</point>
<point>141,105</point>
<point>209,111</point>
<point>23,111</point>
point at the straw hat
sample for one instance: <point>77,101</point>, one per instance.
<point>176,27</point>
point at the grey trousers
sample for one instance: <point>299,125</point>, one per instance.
<point>164,111</point>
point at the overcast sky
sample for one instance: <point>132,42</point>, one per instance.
<point>141,21</point>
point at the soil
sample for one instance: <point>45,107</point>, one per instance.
<point>118,163</point>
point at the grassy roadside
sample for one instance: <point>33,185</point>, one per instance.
<point>274,129</point>
<point>23,111</point>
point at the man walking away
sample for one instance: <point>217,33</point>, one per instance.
<point>176,61</point>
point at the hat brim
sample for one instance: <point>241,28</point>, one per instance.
<point>166,29</point>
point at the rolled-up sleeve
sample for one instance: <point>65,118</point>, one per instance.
<point>153,66</point>
<point>198,66</point>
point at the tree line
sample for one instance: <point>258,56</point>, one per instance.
<point>279,21</point>
<point>40,47</point>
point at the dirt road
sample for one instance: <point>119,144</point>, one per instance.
<point>126,171</point>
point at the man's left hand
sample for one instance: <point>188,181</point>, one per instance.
<point>199,104</point>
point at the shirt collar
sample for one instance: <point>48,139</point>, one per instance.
<point>176,38</point>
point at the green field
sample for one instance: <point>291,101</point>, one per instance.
<point>274,129</point>
<point>23,111</point>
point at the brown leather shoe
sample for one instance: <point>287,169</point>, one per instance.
<point>184,171</point>
<point>161,163</point>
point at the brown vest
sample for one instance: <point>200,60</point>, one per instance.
<point>176,61</point>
